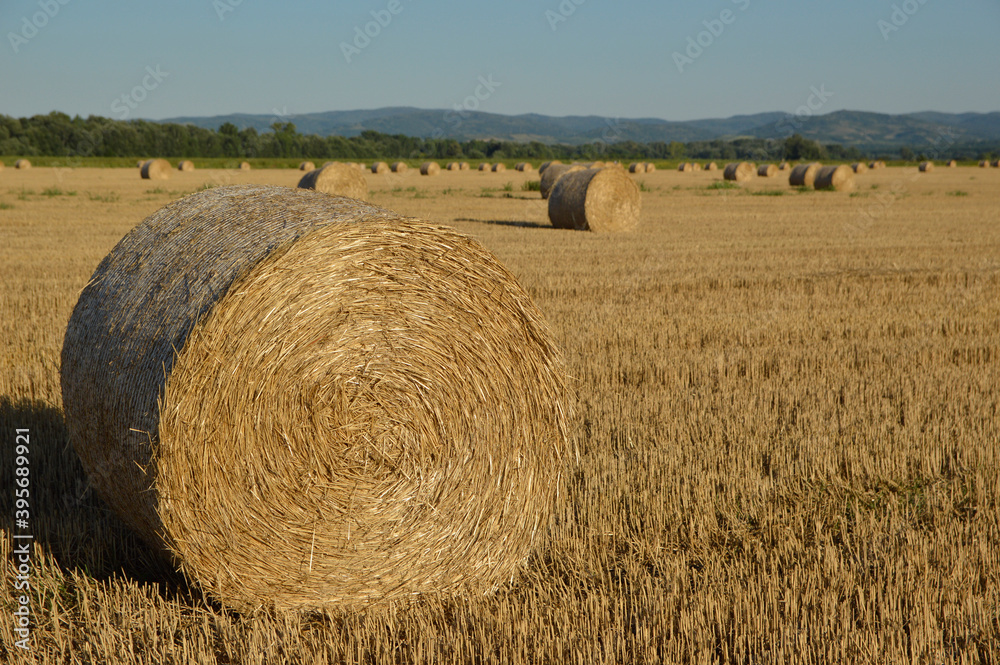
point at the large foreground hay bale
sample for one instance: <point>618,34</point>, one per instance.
<point>926,167</point>
<point>22,164</point>
<point>595,200</point>
<point>155,169</point>
<point>340,179</point>
<point>552,174</point>
<point>380,167</point>
<point>767,170</point>
<point>310,166</point>
<point>804,175</point>
<point>353,405</point>
<point>185,165</point>
<point>738,171</point>
<point>859,167</point>
<point>499,167</point>
<point>839,178</point>
<point>430,168</point>
<point>398,167</point>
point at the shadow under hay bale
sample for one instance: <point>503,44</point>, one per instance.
<point>310,401</point>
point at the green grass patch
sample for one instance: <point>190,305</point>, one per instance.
<point>957,192</point>
<point>531,186</point>
<point>508,187</point>
<point>723,184</point>
<point>111,197</point>
<point>6,206</point>
<point>768,192</point>
<point>24,194</point>
<point>643,187</point>
<point>55,191</point>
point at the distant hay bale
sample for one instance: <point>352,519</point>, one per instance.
<point>552,175</point>
<point>452,166</point>
<point>784,166</point>
<point>400,167</point>
<point>524,167</point>
<point>695,166</point>
<point>983,164</point>
<point>311,402</point>
<point>463,166</point>
<point>738,171</point>
<point>185,165</point>
<point>634,167</point>
<point>804,175</point>
<point>545,165</point>
<point>600,200</point>
<point>339,179</point>
<point>650,167</point>
<point>995,163</point>
<point>767,170</point>
<point>685,167</point>
<point>859,167</point>
<point>484,166</point>
<point>244,166</point>
<point>155,169</point>
<point>309,166</point>
<point>380,167</point>
<point>952,163</point>
<point>24,164</point>
<point>430,168</point>
<point>839,178</point>
<point>499,167</point>
<point>139,164</point>
<point>711,166</point>
<point>926,167</point>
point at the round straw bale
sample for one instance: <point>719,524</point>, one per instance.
<point>634,167</point>
<point>995,163</point>
<point>552,174</point>
<point>784,166</point>
<point>244,166</point>
<point>400,167</point>
<point>952,163</point>
<point>983,164</point>
<point>545,165</point>
<point>767,170</point>
<point>524,167</point>
<point>309,166</point>
<point>25,164</point>
<point>499,167</point>
<point>859,167</point>
<point>309,401</point>
<point>650,167</point>
<point>380,167</point>
<point>340,179</point>
<point>452,166</point>
<point>711,166</point>
<point>738,171</point>
<point>695,166</point>
<point>926,167</point>
<point>484,166</point>
<point>430,168</point>
<point>595,200</point>
<point>155,169</point>
<point>804,175</point>
<point>185,165</point>
<point>685,167</point>
<point>839,178</point>
<point>463,166</point>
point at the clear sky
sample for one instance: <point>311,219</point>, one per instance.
<point>625,59</point>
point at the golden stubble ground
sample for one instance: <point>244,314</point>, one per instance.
<point>787,416</point>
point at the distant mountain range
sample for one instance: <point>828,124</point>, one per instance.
<point>849,128</point>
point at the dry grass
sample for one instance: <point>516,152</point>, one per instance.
<point>787,425</point>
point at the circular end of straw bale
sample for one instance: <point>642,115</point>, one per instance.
<point>499,167</point>
<point>804,175</point>
<point>525,167</point>
<point>738,171</point>
<point>634,167</point>
<point>685,167</point>
<point>339,179</point>
<point>839,178</point>
<point>926,167</point>
<point>650,167</point>
<point>308,166</point>
<point>452,166</point>
<point>767,170</point>
<point>551,176</point>
<point>398,167</point>
<point>430,168</point>
<point>155,169</point>
<point>463,166</point>
<point>711,166</point>
<point>484,166</point>
<point>22,164</point>
<point>601,200</point>
<point>310,401</point>
<point>380,167</point>
<point>185,165</point>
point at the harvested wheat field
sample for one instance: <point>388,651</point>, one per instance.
<point>783,420</point>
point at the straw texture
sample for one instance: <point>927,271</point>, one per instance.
<point>341,179</point>
<point>599,200</point>
<point>738,171</point>
<point>839,178</point>
<point>360,406</point>
<point>155,169</point>
<point>552,174</point>
<point>804,175</point>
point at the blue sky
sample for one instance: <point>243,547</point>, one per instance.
<point>673,60</point>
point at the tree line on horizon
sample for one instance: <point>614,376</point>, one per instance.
<point>59,135</point>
